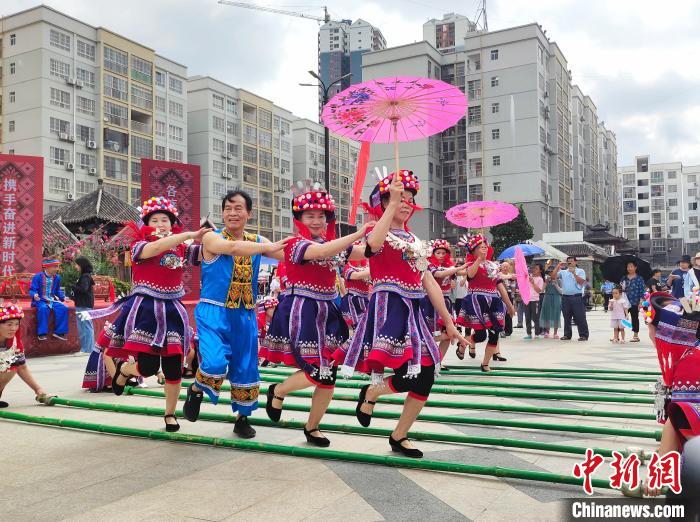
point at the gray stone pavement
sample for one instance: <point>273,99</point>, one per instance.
<point>60,474</point>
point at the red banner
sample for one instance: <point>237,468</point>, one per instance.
<point>180,183</point>
<point>21,218</point>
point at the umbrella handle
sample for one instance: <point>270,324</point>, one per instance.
<point>396,147</point>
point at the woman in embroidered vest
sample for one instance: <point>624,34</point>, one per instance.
<point>354,302</point>
<point>12,361</point>
<point>442,267</point>
<point>393,332</point>
<point>153,325</point>
<point>307,326</point>
<point>486,303</point>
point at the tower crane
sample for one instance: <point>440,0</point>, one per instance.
<point>326,17</point>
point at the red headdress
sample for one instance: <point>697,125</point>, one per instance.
<point>471,241</point>
<point>158,204</point>
<point>8,312</point>
<point>313,197</point>
<point>410,183</point>
<point>437,244</point>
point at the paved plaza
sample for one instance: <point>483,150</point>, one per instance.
<point>62,474</point>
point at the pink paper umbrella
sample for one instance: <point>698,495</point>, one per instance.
<point>390,110</point>
<point>480,214</point>
<point>522,275</point>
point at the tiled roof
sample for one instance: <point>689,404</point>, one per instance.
<point>97,206</point>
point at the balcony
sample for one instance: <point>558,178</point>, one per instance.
<point>143,128</point>
<point>474,146</point>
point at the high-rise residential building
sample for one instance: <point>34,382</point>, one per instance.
<point>447,35</point>
<point>607,171</point>
<point>83,98</point>
<point>514,144</point>
<point>241,140</point>
<point>341,45</point>
<point>660,209</point>
<point>309,157</point>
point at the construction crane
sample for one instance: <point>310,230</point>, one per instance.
<point>326,17</point>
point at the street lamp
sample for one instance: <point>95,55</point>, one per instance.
<point>325,88</point>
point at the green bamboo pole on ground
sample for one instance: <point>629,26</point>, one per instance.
<point>341,428</point>
<point>654,373</point>
<point>530,375</point>
<point>498,384</point>
<point>644,434</point>
<point>297,451</point>
<point>499,393</point>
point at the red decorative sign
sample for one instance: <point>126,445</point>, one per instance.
<point>180,183</point>
<point>21,215</point>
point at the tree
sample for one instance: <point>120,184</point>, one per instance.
<point>508,234</point>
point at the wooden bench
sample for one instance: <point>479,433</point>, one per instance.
<point>16,286</point>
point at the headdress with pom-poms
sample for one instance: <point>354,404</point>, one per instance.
<point>270,302</point>
<point>310,196</point>
<point>437,244</point>
<point>410,183</point>
<point>471,241</point>
<point>158,204</point>
<point>11,311</point>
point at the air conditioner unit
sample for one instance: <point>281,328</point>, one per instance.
<point>70,166</point>
<point>105,119</point>
<point>92,171</point>
<point>63,136</point>
<point>223,155</point>
<point>71,138</point>
<point>91,144</point>
<point>79,84</point>
<point>229,156</point>
<point>70,81</point>
<point>70,197</point>
<point>115,147</point>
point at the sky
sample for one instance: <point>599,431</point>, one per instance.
<point>637,59</point>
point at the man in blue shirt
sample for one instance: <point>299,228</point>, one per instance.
<point>606,289</point>
<point>677,278</point>
<point>572,280</point>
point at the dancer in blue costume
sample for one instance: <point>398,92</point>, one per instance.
<point>48,297</point>
<point>226,322</point>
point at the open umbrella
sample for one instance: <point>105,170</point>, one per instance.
<point>522,275</point>
<point>390,110</point>
<point>527,249</point>
<point>480,214</point>
<point>615,268</point>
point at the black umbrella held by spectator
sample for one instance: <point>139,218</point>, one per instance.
<point>615,268</point>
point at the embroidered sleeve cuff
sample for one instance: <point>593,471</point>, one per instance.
<point>136,250</point>
<point>299,250</point>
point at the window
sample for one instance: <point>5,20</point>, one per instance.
<point>175,85</point>
<point>265,139</point>
<point>265,119</point>
<point>160,152</point>
<point>693,205</point>
<point>232,148</point>
<point>141,70</point>
<point>160,128</point>
<point>218,145</point>
<point>266,159</point>
<point>116,168</point>
<point>232,128</point>
<point>495,134</point>
<point>657,176</point>
<point>496,161</point>
<point>475,193</point>
<point>495,107</point>
<point>13,39</point>
<point>85,133</point>
<point>231,106</point>
<point>657,191</point>
<point>628,192</point>
<point>285,222</point>
<point>250,113</point>
<point>673,230</point>
<point>175,155</point>
<point>672,189</point>
<point>630,220</point>
<point>141,147</point>
<point>496,186</point>
<point>176,133</point>
<point>86,50</point>
<point>160,78</point>
<point>232,170</point>
<point>86,161</point>
<point>250,134</point>
<point>116,114</point>
<point>12,126</point>
<point>656,219</point>
<point>673,216</point>
<point>265,178</point>
<point>628,179</point>
<point>59,98</point>
<point>692,178</point>
<point>56,68</point>
<point>671,174</point>
<point>693,234</point>
<point>285,146</point>
<point>175,109</point>
<point>643,195</point>
<point>59,185</point>
<point>87,77</point>
<point>217,101</point>
<point>83,188</point>
<point>312,137</point>
<point>12,68</point>
<point>57,125</point>
<point>58,156</point>
<point>115,61</point>
<point>136,171</point>
<point>218,168</point>
<point>85,105</point>
<point>494,54</point>
<point>642,182</point>
<point>250,175</point>
<point>673,202</point>
<point>59,40</point>
<point>692,193</point>
<point>474,115</point>
<point>116,141</point>
<point>118,191</point>
<point>250,154</point>
<point>160,104</point>
<point>218,190</point>
<point>115,87</point>
<point>141,97</point>
<point>135,195</point>
<point>494,81</point>
<point>12,96</point>
<point>693,220</point>
<point>218,123</point>
<point>629,206</point>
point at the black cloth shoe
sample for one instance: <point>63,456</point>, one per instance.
<point>408,452</point>
<point>322,442</point>
<point>192,404</point>
<point>118,389</point>
<point>272,412</point>
<point>243,429</point>
<point>565,338</point>
<point>171,428</point>
<point>364,418</point>
<point>583,338</point>
<point>3,404</point>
